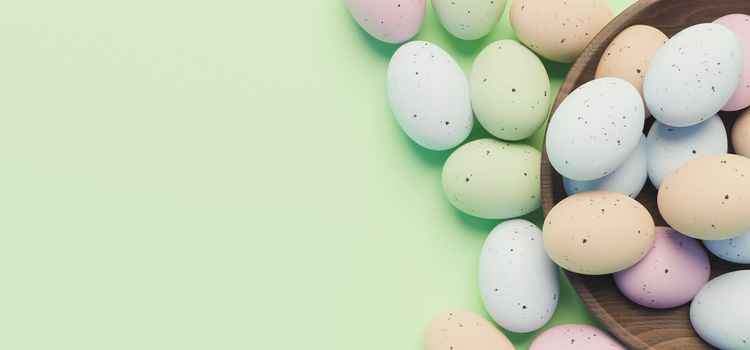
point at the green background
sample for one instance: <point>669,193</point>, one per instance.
<point>221,175</point>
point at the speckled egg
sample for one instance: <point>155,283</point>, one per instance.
<point>708,197</point>
<point>519,284</point>
<point>670,275</point>
<point>510,90</point>
<point>629,54</point>
<point>596,233</point>
<point>741,134</point>
<point>469,19</point>
<point>575,337</point>
<point>740,25</point>
<point>595,129</point>
<point>628,179</point>
<point>558,30</point>
<point>693,75</point>
<point>429,96</point>
<point>668,147</point>
<point>492,179</point>
<point>736,250</point>
<point>391,21</point>
<point>463,330</point>
<point>720,312</point>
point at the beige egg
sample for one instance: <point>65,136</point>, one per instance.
<point>596,233</point>
<point>708,197</point>
<point>628,55</point>
<point>558,30</point>
<point>741,134</point>
<point>463,330</point>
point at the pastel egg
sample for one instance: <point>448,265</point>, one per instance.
<point>463,330</point>
<point>629,54</point>
<point>741,134</point>
<point>391,21</point>
<point>575,337</point>
<point>736,250</point>
<point>510,90</point>
<point>519,284</point>
<point>558,30</point>
<point>429,96</point>
<point>469,19</point>
<point>670,275</point>
<point>740,25</point>
<point>693,75</point>
<point>596,233</point>
<point>492,179</point>
<point>628,179</point>
<point>595,129</point>
<point>668,147</point>
<point>708,197</point>
<point>720,311</point>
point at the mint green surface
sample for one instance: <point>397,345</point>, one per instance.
<point>221,175</point>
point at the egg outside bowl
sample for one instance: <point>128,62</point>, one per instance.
<point>637,326</point>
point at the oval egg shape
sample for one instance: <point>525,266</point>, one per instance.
<point>740,25</point>
<point>708,197</point>
<point>596,233</point>
<point>693,75</point>
<point>429,96</point>
<point>558,30</point>
<point>736,250</point>
<point>519,284</point>
<point>391,21</point>
<point>720,311</point>
<point>575,337</point>
<point>628,179</point>
<point>670,275</point>
<point>491,179</point>
<point>668,147</point>
<point>510,90</point>
<point>629,54</point>
<point>469,19</point>
<point>741,134</point>
<point>595,129</point>
<point>463,330</point>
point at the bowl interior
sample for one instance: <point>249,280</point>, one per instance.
<point>637,326</point>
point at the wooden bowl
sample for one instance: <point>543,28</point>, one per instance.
<point>637,326</point>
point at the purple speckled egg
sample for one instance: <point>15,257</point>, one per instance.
<point>575,336</point>
<point>391,21</point>
<point>740,25</point>
<point>670,275</point>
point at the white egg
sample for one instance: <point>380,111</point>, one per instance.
<point>693,75</point>
<point>429,95</point>
<point>595,129</point>
<point>720,312</point>
<point>736,250</point>
<point>518,282</point>
<point>628,179</point>
<point>668,147</point>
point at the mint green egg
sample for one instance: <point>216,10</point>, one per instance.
<point>510,90</point>
<point>493,179</point>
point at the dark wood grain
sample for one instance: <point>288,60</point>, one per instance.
<point>637,326</point>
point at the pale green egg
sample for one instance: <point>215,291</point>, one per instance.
<point>510,90</point>
<point>493,179</point>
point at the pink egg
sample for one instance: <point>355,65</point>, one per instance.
<point>392,21</point>
<point>740,25</point>
<point>575,336</point>
<point>670,275</point>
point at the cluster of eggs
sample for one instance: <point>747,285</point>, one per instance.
<point>595,141</point>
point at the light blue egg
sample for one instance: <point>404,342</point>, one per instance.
<point>627,179</point>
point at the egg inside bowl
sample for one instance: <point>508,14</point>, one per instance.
<point>637,326</point>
